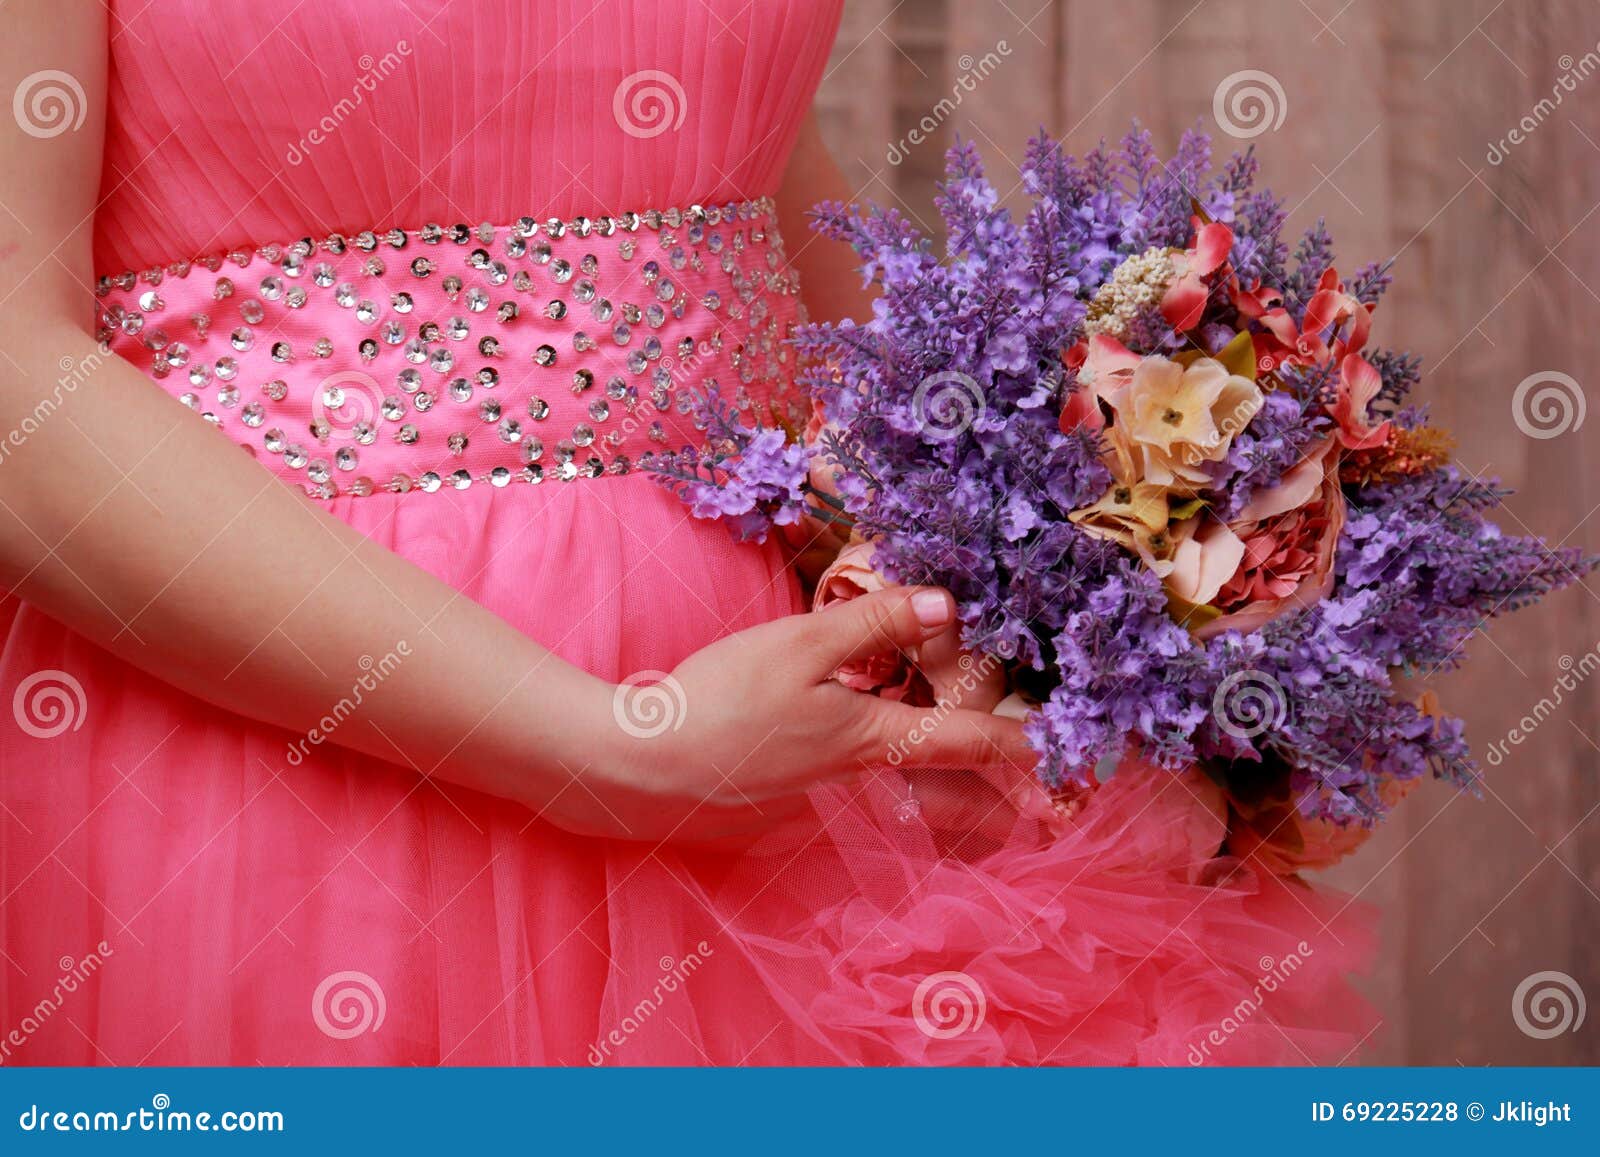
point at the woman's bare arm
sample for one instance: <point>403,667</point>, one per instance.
<point>127,517</point>
<point>124,515</point>
<point>830,286</point>
<point>830,280</point>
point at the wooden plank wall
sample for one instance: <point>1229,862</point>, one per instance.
<point>1390,109</point>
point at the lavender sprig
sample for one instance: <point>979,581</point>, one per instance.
<point>752,477</point>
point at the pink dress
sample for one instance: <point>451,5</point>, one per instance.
<point>445,266</point>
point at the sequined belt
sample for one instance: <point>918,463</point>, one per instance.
<point>448,356</point>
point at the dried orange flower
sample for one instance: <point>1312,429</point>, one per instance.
<point>1402,453</point>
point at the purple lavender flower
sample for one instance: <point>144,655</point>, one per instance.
<point>752,478</point>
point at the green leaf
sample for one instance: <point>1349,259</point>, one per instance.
<point>1190,616</point>
<point>1239,356</point>
<point>1188,509</point>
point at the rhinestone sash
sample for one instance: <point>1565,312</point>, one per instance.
<point>452,356</point>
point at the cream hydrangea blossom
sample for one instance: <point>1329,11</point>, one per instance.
<point>1174,419</point>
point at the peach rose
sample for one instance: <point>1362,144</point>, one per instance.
<point>1275,557</point>
<point>892,676</point>
<point>850,576</point>
<point>1282,841</point>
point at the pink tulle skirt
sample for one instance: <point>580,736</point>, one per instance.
<point>175,890</point>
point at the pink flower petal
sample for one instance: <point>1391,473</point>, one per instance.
<point>1211,247</point>
<point>1209,557</point>
<point>1184,302</point>
<point>1298,486</point>
<point>1081,409</point>
<point>1359,383</point>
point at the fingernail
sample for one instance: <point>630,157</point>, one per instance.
<point>932,608</point>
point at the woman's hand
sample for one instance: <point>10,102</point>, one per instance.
<point>732,740</point>
<point>981,803</point>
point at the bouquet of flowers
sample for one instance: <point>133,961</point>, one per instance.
<point>1174,487</point>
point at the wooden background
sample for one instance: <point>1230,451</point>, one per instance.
<point>1390,109</point>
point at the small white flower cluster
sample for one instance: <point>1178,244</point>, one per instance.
<point>1135,288</point>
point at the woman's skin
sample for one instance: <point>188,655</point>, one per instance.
<point>124,515</point>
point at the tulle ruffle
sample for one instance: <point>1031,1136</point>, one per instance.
<point>1121,937</point>
<point>244,901</point>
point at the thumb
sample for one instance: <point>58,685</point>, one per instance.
<point>896,619</point>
